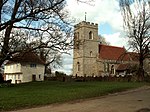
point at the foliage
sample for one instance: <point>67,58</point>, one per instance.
<point>43,93</point>
<point>59,74</point>
<point>1,78</point>
<point>103,40</point>
<point>136,16</point>
<point>27,25</point>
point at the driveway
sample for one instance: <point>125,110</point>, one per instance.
<point>137,100</point>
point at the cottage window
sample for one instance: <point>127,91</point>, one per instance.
<point>33,65</point>
<point>90,35</point>
<point>17,65</point>
<point>18,76</point>
<point>39,76</point>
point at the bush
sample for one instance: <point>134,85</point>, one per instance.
<point>1,78</point>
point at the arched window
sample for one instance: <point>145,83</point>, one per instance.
<point>91,53</point>
<point>78,66</point>
<point>112,69</point>
<point>76,40</point>
<point>90,35</point>
<point>106,67</point>
<point>76,35</point>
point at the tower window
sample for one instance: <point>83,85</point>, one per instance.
<point>76,40</point>
<point>91,54</point>
<point>90,35</point>
<point>77,35</point>
<point>78,66</point>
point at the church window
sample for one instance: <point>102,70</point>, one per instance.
<point>112,69</point>
<point>90,35</point>
<point>78,66</point>
<point>106,67</point>
<point>91,53</point>
<point>76,36</point>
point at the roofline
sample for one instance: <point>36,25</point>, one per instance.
<point>112,46</point>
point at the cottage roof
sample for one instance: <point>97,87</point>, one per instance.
<point>26,57</point>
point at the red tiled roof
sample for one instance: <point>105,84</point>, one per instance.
<point>122,67</point>
<point>107,52</point>
<point>133,56</point>
<point>26,57</point>
<point>112,52</point>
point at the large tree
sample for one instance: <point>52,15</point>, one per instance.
<point>136,16</point>
<point>27,25</point>
<point>52,59</point>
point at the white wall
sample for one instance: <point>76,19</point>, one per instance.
<point>23,72</point>
<point>14,78</point>
<point>29,71</point>
<point>12,68</point>
<point>13,72</point>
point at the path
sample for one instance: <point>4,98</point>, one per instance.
<point>131,101</point>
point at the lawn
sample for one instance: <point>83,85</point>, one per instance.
<point>43,93</point>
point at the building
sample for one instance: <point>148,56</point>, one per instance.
<point>91,58</point>
<point>24,67</point>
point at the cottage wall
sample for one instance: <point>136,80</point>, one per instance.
<point>13,72</point>
<point>12,68</point>
<point>29,71</point>
<point>20,73</point>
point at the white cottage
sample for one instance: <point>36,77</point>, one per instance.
<point>25,67</point>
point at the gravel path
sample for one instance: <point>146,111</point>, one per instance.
<point>137,100</point>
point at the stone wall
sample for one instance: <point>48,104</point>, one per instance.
<point>85,54</point>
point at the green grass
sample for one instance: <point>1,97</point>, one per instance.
<point>43,93</point>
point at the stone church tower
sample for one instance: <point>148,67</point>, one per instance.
<point>86,49</point>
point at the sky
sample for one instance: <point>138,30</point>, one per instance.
<point>106,13</point>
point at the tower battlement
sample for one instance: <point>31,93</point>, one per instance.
<point>84,23</point>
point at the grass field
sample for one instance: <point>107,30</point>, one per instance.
<point>43,93</point>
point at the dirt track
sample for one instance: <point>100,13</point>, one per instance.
<point>130,101</point>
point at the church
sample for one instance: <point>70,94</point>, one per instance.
<point>92,58</point>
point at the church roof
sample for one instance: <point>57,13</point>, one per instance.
<point>28,57</point>
<point>122,67</point>
<point>107,52</point>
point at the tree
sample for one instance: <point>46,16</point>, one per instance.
<point>136,16</point>
<point>27,25</point>
<point>51,58</point>
<point>1,78</point>
<point>103,40</point>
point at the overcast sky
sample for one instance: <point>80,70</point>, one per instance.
<point>106,14</point>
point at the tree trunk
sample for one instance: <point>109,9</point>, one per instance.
<point>140,69</point>
<point>5,47</point>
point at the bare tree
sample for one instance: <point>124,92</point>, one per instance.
<point>52,59</point>
<point>103,40</point>
<point>90,2</point>
<point>136,16</point>
<point>27,25</point>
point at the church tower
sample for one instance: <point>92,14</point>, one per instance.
<point>86,49</point>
